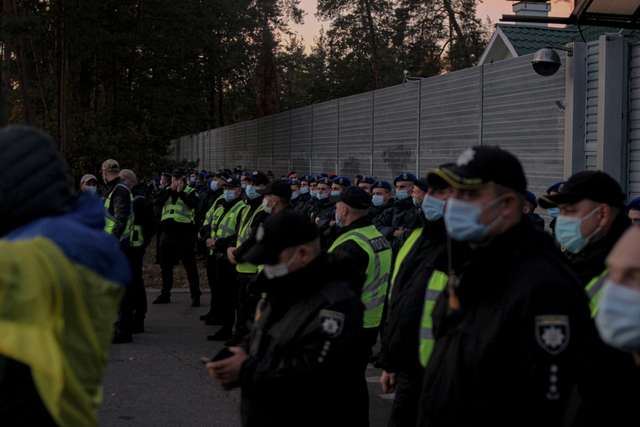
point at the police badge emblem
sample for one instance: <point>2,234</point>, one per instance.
<point>331,322</point>
<point>552,333</point>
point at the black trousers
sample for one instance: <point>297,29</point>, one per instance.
<point>124,325</point>
<point>245,304</point>
<point>175,248</point>
<point>139,292</point>
<point>405,405</point>
<point>226,285</point>
<point>212,271</point>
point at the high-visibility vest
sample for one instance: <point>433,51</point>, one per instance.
<point>137,238</point>
<point>374,291</point>
<point>594,291</point>
<point>243,235</point>
<point>209,217</point>
<point>110,220</point>
<point>436,285</point>
<point>178,211</point>
<point>402,254</point>
<point>227,221</point>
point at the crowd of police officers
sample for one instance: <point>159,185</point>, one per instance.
<point>483,315</point>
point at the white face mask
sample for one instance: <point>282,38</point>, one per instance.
<point>266,206</point>
<point>278,270</point>
<point>91,189</point>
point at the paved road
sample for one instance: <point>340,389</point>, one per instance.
<point>158,380</point>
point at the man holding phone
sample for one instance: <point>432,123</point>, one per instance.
<point>300,363</point>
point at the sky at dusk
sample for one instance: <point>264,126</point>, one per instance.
<point>492,9</point>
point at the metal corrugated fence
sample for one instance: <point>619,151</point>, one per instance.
<point>412,127</point>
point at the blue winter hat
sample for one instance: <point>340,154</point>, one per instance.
<point>382,184</point>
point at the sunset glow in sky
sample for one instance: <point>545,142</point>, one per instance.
<point>493,9</point>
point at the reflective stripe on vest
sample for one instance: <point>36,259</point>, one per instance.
<point>594,291</point>
<point>402,254</point>
<point>110,220</point>
<point>137,238</point>
<point>374,291</point>
<point>209,217</point>
<point>243,235</point>
<point>437,283</point>
<point>178,211</point>
<point>228,223</point>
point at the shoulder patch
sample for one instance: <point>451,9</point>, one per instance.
<point>331,323</point>
<point>552,333</point>
<point>380,244</point>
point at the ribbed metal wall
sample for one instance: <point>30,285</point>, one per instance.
<point>412,127</point>
<point>591,108</point>
<point>633,184</point>
<point>524,113</point>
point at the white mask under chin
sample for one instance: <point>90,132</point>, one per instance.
<point>275,271</point>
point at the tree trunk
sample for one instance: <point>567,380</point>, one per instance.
<point>365,6</point>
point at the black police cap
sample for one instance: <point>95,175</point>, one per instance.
<point>483,164</point>
<point>279,232</point>
<point>593,185</point>
<point>356,198</point>
<point>280,188</point>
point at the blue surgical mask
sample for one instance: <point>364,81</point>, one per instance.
<point>295,194</point>
<point>377,200</point>
<point>402,194</point>
<point>230,195</point>
<point>322,196</point>
<point>251,192</point>
<point>304,190</point>
<point>569,232</point>
<point>462,220</point>
<point>432,208</point>
<point>91,189</point>
<point>314,194</point>
<point>213,185</point>
<point>618,317</point>
<point>553,212</point>
<point>335,193</point>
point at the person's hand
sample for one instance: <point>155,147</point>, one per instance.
<point>231,255</point>
<point>211,243</point>
<point>227,371</point>
<point>399,232</point>
<point>388,382</point>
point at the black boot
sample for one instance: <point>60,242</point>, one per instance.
<point>138,326</point>
<point>206,316</point>
<point>121,338</point>
<point>195,301</point>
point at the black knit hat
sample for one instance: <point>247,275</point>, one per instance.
<point>34,182</point>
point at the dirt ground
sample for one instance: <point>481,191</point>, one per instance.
<point>153,279</point>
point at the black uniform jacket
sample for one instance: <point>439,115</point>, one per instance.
<point>170,226</point>
<point>513,354</point>
<point>303,361</point>
<point>120,207</point>
<point>399,351</point>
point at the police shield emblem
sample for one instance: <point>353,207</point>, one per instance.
<point>552,333</point>
<point>331,323</point>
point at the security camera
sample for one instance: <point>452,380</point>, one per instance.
<point>546,62</point>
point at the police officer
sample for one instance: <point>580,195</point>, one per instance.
<point>403,216</point>
<point>512,325</point>
<point>323,212</point>
<point>381,201</point>
<point>178,236</point>
<point>302,201</point>
<point>216,198</point>
<point>591,221</point>
<point>119,219</point>
<point>252,217</point>
<point>277,197</point>
<point>418,277</point>
<point>89,183</point>
<point>300,365</point>
<point>224,233</point>
<point>141,234</point>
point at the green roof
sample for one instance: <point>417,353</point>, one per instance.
<point>528,39</point>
